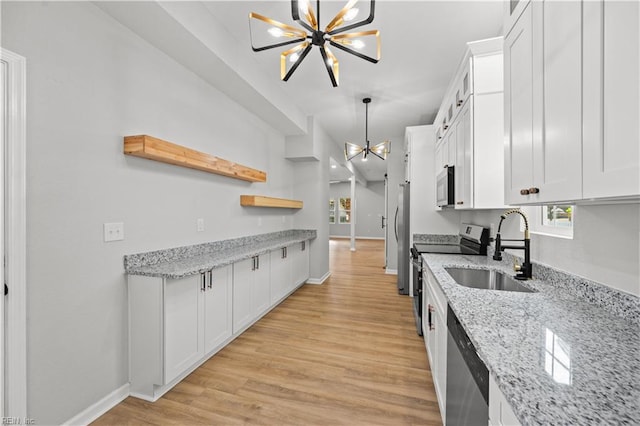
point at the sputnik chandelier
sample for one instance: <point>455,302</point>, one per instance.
<point>267,33</point>
<point>380,150</point>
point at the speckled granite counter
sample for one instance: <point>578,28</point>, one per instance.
<point>180,262</point>
<point>557,357</point>
<point>436,238</point>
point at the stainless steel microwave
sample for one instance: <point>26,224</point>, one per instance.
<point>445,183</point>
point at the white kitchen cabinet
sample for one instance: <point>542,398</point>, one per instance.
<point>251,290</point>
<point>217,308</point>
<point>500,412</point>
<point>299,254</point>
<point>543,118</point>
<point>184,319</point>
<point>474,138</point>
<point>281,274</point>
<point>174,324</point>
<point>611,154</point>
<point>434,330</point>
<point>289,269</point>
<point>572,103</point>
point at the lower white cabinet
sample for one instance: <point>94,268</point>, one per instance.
<point>173,324</point>
<point>176,324</point>
<point>251,290</point>
<point>500,412</point>
<point>434,324</point>
<point>299,254</point>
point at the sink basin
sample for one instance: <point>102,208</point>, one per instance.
<point>486,279</point>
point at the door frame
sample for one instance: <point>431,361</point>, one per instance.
<point>15,386</point>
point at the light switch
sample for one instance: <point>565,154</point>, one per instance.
<point>200,225</point>
<point>113,231</point>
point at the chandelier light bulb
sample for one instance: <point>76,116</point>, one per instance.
<point>303,6</point>
<point>329,61</point>
<point>357,44</point>
<point>294,57</point>
<point>275,31</point>
<point>352,13</point>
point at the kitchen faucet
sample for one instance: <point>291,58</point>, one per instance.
<point>524,270</point>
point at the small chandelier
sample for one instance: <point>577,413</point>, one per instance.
<point>267,33</point>
<point>380,150</point>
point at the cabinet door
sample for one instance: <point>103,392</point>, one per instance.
<point>280,275</point>
<point>217,308</point>
<point>301,263</point>
<point>557,101</point>
<point>464,158</point>
<point>611,163</point>
<point>242,289</point>
<point>518,111</point>
<point>261,292</point>
<point>183,331</point>
<point>441,359</point>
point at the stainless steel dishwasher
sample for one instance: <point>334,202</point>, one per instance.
<point>467,378</point>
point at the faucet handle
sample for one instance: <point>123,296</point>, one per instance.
<point>517,267</point>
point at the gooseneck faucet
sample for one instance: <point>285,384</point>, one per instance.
<point>524,270</point>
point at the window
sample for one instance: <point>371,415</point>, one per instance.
<point>332,211</point>
<point>552,220</point>
<point>344,210</point>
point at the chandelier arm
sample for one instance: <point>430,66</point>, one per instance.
<point>353,52</point>
<point>366,21</point>
<point>325,59</point>
<point>374,153</point>
<point>273,46</point>
<point>295,14</point>
<point>304,53</point>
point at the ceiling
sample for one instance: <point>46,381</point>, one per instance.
<point>422,43</point>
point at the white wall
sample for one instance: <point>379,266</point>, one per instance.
<point>605,246</point>
<point>89,83</point>
<point>369,209</point>
<point>311,185</point>
<point>425,219</point>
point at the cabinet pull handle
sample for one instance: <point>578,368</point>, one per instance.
<point>282,256</point>
<point>253,266</point>
<point>210,285</point>
<point>203,280</point>
<point>460,202</point>
<point>524,192</point>
<point>429,311</point>
<point>534,190</point>
<point>258,262</point>
<point>304,245</point>
<point>459,103</point>
<point>445,127</point>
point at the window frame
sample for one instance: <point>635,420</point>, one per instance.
<point>536,226</point>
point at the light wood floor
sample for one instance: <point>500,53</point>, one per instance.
<point>345,352</point>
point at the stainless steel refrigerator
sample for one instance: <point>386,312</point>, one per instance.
<point>403,238</point>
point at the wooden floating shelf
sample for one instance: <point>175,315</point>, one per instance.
<point>260,201</point>
<point>166,152</point>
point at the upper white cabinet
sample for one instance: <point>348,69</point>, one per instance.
<point>611,99</point>
<point>543,92</point>
<point>470,127</point>
<point>571,102</point>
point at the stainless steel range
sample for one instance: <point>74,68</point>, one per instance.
<point>474,240</point>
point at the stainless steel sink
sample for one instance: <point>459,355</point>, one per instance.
<point>486,279</point>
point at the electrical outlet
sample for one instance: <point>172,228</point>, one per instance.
<point>113,231</point>
<point>200,225</point>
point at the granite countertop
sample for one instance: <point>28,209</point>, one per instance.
<point>557,357</point>
<point>180,262</point>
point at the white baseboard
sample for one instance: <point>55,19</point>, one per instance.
<point>391,271</point>
<point>91,413</point>
<point>319,281</point>
<point>347,237</point>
